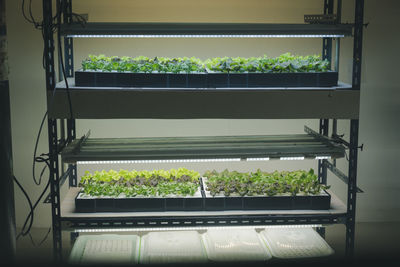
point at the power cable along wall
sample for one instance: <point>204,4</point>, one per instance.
<point>7,210</point>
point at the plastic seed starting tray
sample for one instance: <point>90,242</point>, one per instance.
<point>279,202</point>
<point>204,80</point>
<point>105,249</point>
<point>202,200</point>
<point>121,204</point>
<point>239,245</point>
<point>172,247</point>
<point>289,243</point>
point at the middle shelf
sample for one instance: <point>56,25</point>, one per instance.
<point>206,148</point>
<point>340,102</point>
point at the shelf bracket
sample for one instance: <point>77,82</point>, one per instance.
<point>339,174</point>
<point>320,19</point>
<point>339,139</point>
<point>77,147</point>
<point>318,136</point>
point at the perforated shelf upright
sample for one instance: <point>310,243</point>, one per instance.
<point>325,104</point>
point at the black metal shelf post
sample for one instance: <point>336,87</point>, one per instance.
<point>69,70</point>
<point>354,127</point>
<point>59,222</point>
<point>52,128</point>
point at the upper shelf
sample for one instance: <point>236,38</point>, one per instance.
<point>340,102</point>
<point>187,30</point>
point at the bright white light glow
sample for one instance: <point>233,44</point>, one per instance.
<point>323,157</point>
<point>257,159</point>
<point>291,158</point>
<point>158,161</point>
<point>191,160</point>
<point>97,230</point>
<point>205,36</point>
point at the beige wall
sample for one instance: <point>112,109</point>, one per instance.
<point>379,99</point>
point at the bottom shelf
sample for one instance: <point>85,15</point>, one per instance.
<point>73,219</point>
<point>213,245</point>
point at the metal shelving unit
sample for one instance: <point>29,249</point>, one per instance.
<point>325,104</point>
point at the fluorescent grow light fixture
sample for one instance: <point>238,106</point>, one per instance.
<point>205,36</point>
<point>158,161</point>
<point>322,157</point>
<point>195,228</point>
<point>193,160</point>
<point>203,30</point>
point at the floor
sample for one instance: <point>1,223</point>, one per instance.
<point>374,241</point>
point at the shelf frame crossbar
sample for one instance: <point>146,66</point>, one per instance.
<point>201,221</point>
<point>340,174</point>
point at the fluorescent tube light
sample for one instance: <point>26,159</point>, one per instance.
<point>196,228</point>
<point>323,157</point>
<point>291,158</point>
<point>257,159</point>
<point>158,161</point>
<point>205,36</point>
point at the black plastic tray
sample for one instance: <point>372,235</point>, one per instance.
<point>206,202</point>
<point>126,79</point>
<point>310,202</point>
<point>138,204</point>
<point>203,80</point>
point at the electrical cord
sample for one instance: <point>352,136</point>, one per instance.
<point>54,25</point>
<point>26,196</point>
<point>30,216</point>
<point>42,241</point>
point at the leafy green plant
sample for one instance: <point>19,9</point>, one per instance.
<point>284,63</point>
<point>143,64</point>
<point>263,183</point>
<point>182,182</point>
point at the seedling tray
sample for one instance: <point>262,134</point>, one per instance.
<point>278,202</point>
<point>128,79</point>
<point>203,80</point>
<point>311,202</point>
<point>283,202</point>
<point>132,204</point>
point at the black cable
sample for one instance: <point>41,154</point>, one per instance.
<point>54,25</point>
<point>35,150</point>
<point>27,198</point>
<point>42,241</point>
<point>30,215</point>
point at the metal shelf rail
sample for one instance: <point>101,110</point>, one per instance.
<point>61,128</point>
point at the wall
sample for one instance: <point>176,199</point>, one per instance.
<point>379,98</point>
